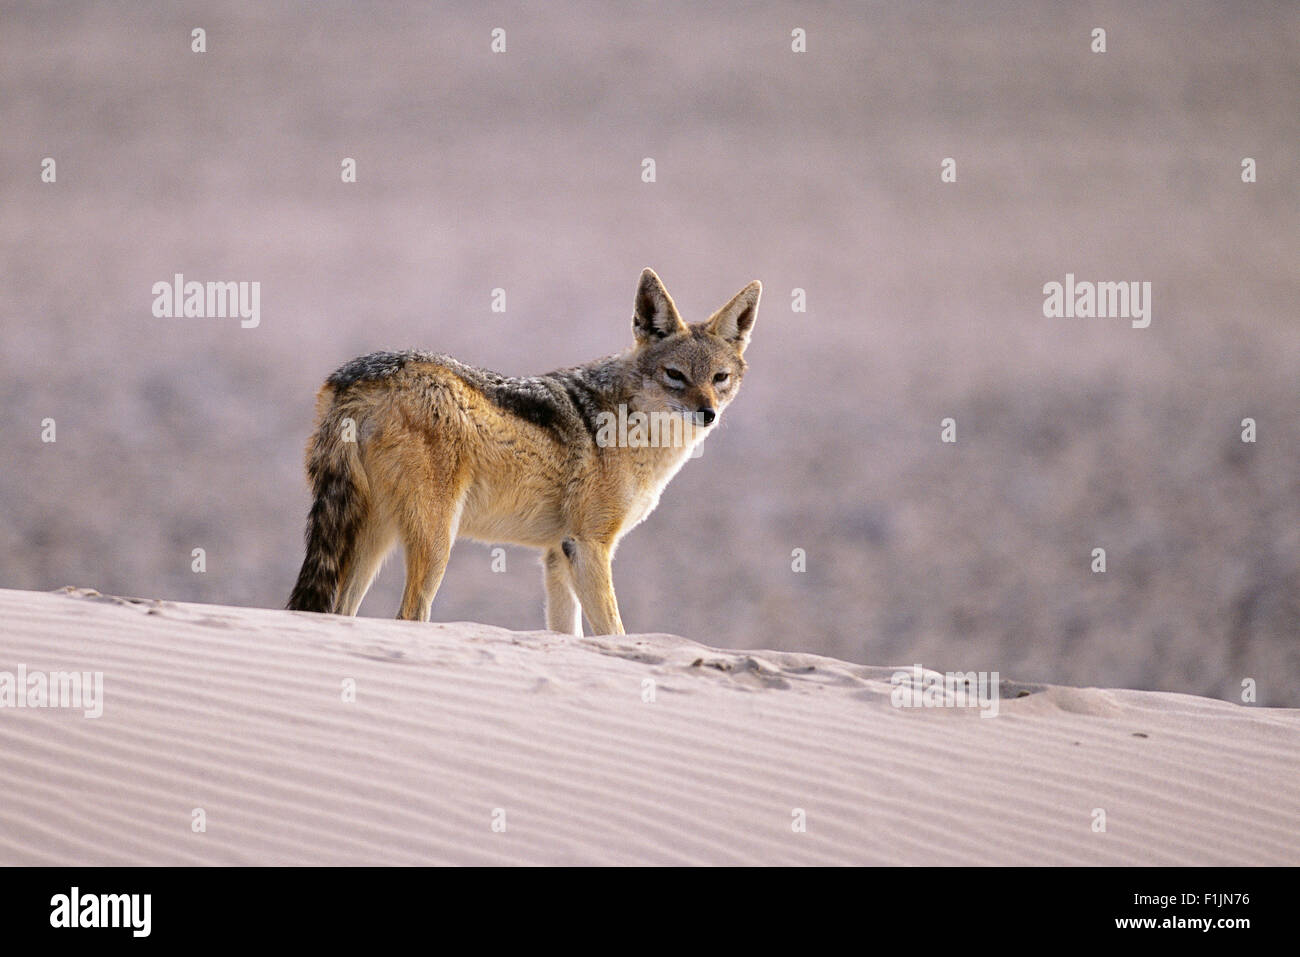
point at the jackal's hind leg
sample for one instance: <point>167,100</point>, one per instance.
<point>427,519</point>
<point>372,544</point>
<point>427,552</point>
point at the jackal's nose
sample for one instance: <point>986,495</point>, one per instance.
<point>705,416</point>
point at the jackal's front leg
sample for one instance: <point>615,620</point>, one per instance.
<point>562,611</point>
<point>594,581</point>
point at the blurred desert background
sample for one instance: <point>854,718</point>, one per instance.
<point>817,171</point>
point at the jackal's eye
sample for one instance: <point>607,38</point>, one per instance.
<point>722,377</point>
<point>675,377</point>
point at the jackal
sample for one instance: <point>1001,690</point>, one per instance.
<point>417,446</point>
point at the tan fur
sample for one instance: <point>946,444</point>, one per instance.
<point>443,450</point>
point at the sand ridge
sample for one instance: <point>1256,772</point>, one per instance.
<point>648,749</point>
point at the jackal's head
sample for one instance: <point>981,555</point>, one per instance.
<point>693,370</point>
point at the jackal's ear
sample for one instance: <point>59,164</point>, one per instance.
<point>655,316</point>
<point>734,320</point>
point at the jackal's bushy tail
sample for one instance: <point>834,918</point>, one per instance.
<point>337,511</point>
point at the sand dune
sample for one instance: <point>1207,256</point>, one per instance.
<point>240,712</point>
